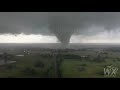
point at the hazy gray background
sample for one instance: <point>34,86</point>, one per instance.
<point>65,27</point>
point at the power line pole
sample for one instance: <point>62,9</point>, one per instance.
<point>57,63</point>
<point>56,66</point>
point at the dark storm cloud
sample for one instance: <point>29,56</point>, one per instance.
<point>61,24</point>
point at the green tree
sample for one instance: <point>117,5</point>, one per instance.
<point>39,64</point>
<point>29,71</point>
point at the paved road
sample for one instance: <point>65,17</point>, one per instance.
<point>8,62</point>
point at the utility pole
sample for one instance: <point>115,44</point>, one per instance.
<point>57,63</point>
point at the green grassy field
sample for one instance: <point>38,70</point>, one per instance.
<point>26,62</point>
<point>37,66</point>
<point>70,69</point>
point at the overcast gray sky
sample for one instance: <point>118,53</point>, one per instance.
<point>52,27</point>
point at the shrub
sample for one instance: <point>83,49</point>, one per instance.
<point>81,68</point>
<point>118,59</point>
<point>10,67</point>
<point>39,64</point>
<point>84,64</point>
<point>100,73</point>
<point>29,71</point>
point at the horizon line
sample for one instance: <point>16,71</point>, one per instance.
<point>59,43</point>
